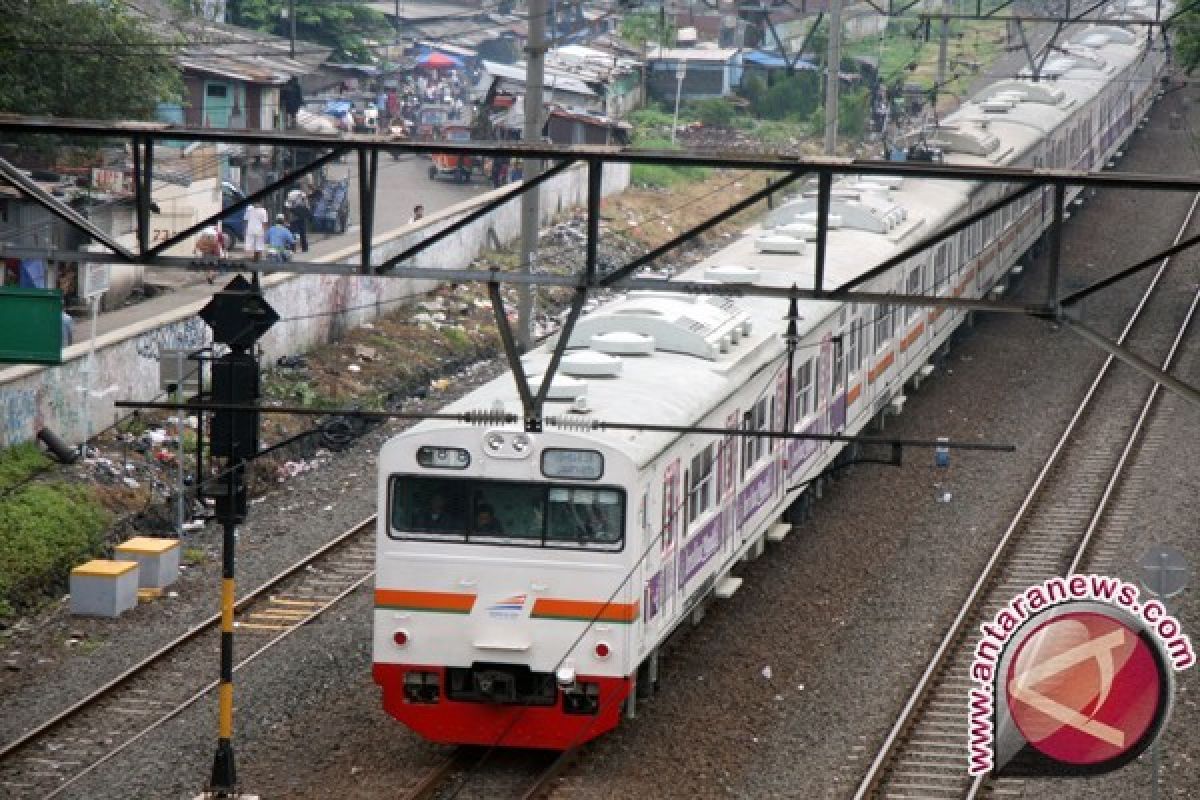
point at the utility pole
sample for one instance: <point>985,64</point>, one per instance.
<point>943,45</point>
<point>292,23</point>
<point>535,73</point>
<point>832,67</point>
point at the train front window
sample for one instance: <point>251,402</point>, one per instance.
<point>496,512</point>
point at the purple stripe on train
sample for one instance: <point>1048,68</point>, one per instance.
<point>800,450</point>
<point>700,549</point>
<point>756,494</point>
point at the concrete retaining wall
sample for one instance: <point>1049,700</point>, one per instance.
<point>313,309</point>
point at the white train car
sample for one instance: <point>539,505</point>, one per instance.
<point>526,579</point>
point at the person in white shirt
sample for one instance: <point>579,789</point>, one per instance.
<point>256,231</point>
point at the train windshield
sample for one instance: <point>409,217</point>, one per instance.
<point>496,512</point>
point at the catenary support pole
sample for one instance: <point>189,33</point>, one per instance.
<point>535,70</point>
<point>832,67</point>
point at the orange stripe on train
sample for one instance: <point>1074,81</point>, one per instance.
<point>882,366</point>
<point>586,610</point>
<point>443,602</point>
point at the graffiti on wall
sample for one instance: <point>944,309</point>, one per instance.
<point>186,334</point>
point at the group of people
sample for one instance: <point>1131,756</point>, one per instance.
<point>278,241</point>
<point>449,88</point>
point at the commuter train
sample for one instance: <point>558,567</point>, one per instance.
<point>526,581</point>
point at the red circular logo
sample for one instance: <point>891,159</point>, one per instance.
<point>1084,688</point>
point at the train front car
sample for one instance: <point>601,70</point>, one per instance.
<point>502,611</point>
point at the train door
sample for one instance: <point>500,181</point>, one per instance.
<point>670,545</point>
<point>778,423</point>
<point>727,486</point>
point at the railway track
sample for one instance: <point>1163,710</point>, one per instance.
<point>475,772</point>
<point>1052,533</point>
<point>50,758</point>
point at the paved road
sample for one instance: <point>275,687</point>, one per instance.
<point>402,184</point>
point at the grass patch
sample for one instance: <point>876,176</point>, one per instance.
<point>660,177</point>
<point>20,463</point>
<point>48,529</point>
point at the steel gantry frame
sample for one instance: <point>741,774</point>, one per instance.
<point>367,149</point>
<point>1061,14</point>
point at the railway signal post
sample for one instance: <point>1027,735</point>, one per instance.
<point>238,316</point>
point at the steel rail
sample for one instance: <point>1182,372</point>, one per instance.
<point>1093,524</point>
<point>433,779</point>
<point>206,625</point>
<point>541,785</point>
<point>909,713</point>
<point>206,690</point>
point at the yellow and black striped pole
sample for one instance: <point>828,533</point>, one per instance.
<point>223,782</point>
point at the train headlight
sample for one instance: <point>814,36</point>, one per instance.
<point>494,442</point>
<point>602,650</point>
<point>520,443</point>
<point>565,675</point>
<point>400,637</point>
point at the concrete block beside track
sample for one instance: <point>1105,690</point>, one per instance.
<point>103,588</point>
<point>157,560</point>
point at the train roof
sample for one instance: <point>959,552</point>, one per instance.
<point>672,359</point>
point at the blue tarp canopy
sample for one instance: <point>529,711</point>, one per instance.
<point>761,58</point>
<point>337,107</point>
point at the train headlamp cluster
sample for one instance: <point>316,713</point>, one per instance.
<point>507,444</point>
<point>443,457</point>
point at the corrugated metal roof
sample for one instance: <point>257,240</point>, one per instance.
<point>551,80</point>
<point>721,54</point>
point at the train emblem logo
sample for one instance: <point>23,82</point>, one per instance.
<point>1073,677</point>
<point>508,608</point>
<point>1085,688</point>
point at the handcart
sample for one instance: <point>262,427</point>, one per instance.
<point>331,212</point>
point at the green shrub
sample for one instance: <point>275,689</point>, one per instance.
<point>19,463</point>
<point>715,112</point>
<point>659,176</point>
<point>790,95</point>
<point>48,528</point>
<point>649,119</point>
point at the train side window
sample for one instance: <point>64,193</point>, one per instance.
<point>939,271</point>
<point>804,393</point>
<point>748,442</point>
<point>762,423</point>
<point>839,362</point>
<point>853,356</point>
<point>700,480</point>
<point>665,537</point>
<point>883,325</point>
<point>912,286</point>
<point>771,423</point>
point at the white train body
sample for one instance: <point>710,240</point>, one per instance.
<point>532,634</point>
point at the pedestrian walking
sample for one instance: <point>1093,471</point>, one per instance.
<point>210,248</point>
<point>298,213</point>
<point>256,231</point>
<point>418,214</point>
